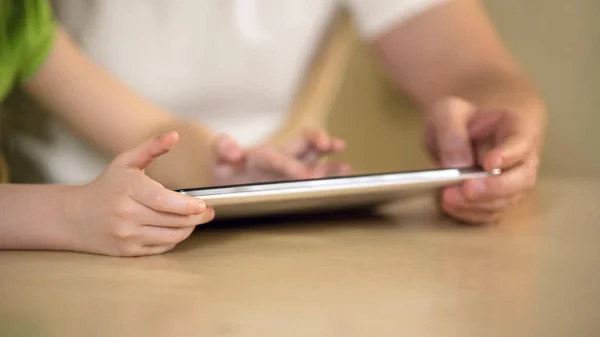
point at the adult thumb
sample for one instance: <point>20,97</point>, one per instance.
<point>144,154</point>
<point>450,125</point>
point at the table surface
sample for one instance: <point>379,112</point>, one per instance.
<point>406,272</point>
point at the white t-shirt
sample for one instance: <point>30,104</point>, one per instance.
<point>234,65</point>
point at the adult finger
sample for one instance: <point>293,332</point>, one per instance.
<point>318,139</point>
<point>154,196</point>
<point>162,236</point>
<point>144,154</point>
<point>511,182</point>
<point>454,199</point>
<point>313,143</point>
<point>304,143</point>
<point>473,217</point>
<point>269,159</point>
<point>338,169</point>
<point>448,122</point>
<point>313,155</point>
<point>512,137</point>
<point>227,150</point>
<point>512,150</point>
<point>331,170</point>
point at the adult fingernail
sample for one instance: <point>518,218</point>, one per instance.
<point>496,163</point>
<point>456,160</point>
<point>476,189</point>
<point>453,197</point>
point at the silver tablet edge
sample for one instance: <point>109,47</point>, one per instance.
<point>341,186</point>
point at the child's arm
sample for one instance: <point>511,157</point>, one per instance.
<point>113,117</point>
<point>121,213</point>
<point>32,216</point>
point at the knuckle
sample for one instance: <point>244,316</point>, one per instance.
<point>157,198</point>
<point>124,232</point>
<point>125,210</point>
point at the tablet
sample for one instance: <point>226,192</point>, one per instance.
<point>326,194</point>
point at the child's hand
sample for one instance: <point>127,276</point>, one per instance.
<point>125,213</point>
<point>299,159</point>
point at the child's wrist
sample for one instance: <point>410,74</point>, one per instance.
<point>70,218</point>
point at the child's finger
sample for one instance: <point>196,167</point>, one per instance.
<point>331,170</point>
<point>163,236</point>
<point>154,196</point>
<point>155,249</point>
<point>155,218</point>
<point>144,154</point>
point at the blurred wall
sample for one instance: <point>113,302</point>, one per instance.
<point>558,42</point>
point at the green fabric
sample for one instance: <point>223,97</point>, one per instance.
<point>27,31</point>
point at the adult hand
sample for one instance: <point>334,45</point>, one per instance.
<point>301,158</point>
<point>458,134</point>
<point>125,213</point>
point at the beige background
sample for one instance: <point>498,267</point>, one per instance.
<point>557,41</point>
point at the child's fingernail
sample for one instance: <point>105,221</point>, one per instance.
<point>200,206</point>
<point>210,213</point>
<point>165,135</point>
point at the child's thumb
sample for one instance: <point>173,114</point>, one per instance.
<point>144,154</point>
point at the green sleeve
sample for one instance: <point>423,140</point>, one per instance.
<point>38,36</point>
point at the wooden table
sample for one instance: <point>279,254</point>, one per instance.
<point>410,273</point>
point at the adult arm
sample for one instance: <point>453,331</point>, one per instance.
<point>453,50</point>
<point>479,105</point>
